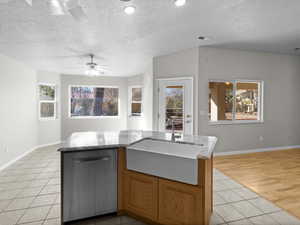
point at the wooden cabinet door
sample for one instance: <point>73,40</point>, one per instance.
<point>179,204</point>
<point>141,194</point>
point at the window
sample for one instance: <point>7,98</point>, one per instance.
<point>88,101</point>
<point>235,101</point>
<point>135,101</point>
<point>47,106</point>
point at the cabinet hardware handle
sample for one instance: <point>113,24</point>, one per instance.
<point>94,159</point>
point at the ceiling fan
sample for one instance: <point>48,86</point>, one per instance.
<point>93,69</point>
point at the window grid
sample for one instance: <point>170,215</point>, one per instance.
<point>54,102</point>
<point>131,101</point>
<point>88,116</point>
<point>260,103</point>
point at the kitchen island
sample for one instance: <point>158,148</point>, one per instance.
<point>146,174</point>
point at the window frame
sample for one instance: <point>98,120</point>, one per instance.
<point>91,117</point>
<point>130,101</point>
<point>54,117</point>
<point>260,102</point>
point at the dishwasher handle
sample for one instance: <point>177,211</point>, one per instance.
<point>92,159</point>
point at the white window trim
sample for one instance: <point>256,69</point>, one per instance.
<point>260,103</point>
<point>54,117</point>
<point>92,117</point>
<point>130,101</point>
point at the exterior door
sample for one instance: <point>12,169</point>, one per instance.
<point>176,105</point>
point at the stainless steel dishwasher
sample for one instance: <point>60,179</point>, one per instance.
<point>89,184</point>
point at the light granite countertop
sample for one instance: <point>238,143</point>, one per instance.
<point>84,141</point>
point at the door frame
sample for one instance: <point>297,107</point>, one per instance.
<point>156,115</point>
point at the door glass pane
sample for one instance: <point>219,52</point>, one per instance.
<point>47,110</point>
<point>220,101</point>
<point>174,107</point>
<point>247,101</point>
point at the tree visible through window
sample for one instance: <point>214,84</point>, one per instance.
<point>174,107</point>
<point>47,106</point>
<point>135,101</point>
<point>94,101</point>
<point>235,101</point>
<point>247,100</point>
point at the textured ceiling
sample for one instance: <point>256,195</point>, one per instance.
<point>126,44</point>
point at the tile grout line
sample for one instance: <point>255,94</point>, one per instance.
<point>33,201</point>
<point>55,171</point>
<point>27,209</point>
<point>248,200</point>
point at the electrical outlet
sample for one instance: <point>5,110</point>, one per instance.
<point>261,138</point>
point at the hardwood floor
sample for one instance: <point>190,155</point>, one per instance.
<point>273,175</point>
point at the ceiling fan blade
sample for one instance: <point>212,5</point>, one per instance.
<point>102,66</point>
<point>56,7</point>
<point>102,69</point>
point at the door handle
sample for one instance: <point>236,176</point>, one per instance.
<point>92,159</point>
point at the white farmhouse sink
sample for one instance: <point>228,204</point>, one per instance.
<point>174,161</point>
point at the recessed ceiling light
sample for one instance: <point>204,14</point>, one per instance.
<point>203,38</point>
<point>179,3</point>
<point>129,10</point>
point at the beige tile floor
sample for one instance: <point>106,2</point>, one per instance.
<point>30,195</point>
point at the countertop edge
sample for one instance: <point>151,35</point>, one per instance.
<point>202,155</point>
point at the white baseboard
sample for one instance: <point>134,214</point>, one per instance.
<point>270,149</point>
<point>26,153</point>
<point>46,145</point>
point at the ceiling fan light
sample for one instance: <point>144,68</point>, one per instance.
<point>92,72</point>
<point>179,3</point>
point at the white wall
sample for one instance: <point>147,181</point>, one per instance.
<point>145,121</point>
<point>70,125</point>
<point>281,74</point>
<point>18,110</point>
<point>148,98</point>
<point>181,64</point>
<point>135,122</point>
<point>49,131</point>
